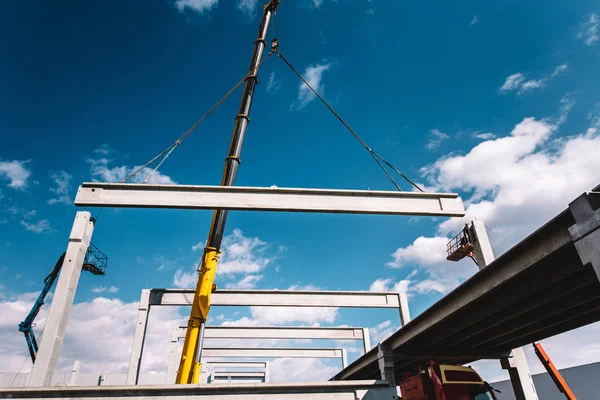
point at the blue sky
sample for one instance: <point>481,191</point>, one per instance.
<point>495,100</point>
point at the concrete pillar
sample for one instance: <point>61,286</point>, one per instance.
<point>267,371</point>
<point>404,311</point>
<point>366,339</point>
<point>385,359</point>
<point>344,358</point>
<point>516,363</point>
<point>139,336</point>
<point>75,373</point>
<point>62,301</point>
<point>172,365</point>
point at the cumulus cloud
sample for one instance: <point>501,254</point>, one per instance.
<point>247,282</point>
<point>588,31</point>
<point>200,6</point>
<point>313,75</point>
<point>41,226</point>
<point>100,170</point>
<point>16,172</point>
<point>436,137</point>
<point>62,185</point>
<point>102,289</point>
<point>520,84</point>
<point>484,136</point>
<point>474,20</point>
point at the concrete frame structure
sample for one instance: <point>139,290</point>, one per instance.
<point>269,199</point>
<point>515,363</point>
<point>268,332</point>
<point>56,323</point>
<point>280,298</point>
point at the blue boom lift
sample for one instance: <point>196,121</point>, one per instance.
<point>95,262</point>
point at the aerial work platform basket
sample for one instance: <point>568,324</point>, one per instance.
<point>95,261</point>
<point>460,246</point>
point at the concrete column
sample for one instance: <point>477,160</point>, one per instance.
<point>62,301</point>
<point>404,311</point>
<point>344,358</point>
<point>385,359</point>
<point>172,366</point>
<point>366,339</point>
<point>139,336</point>
<point>267,371</point>
<point>75,373</point>
<point>516,363</point>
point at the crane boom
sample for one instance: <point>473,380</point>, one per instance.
<point>27,325</point>
<point>559,381</point>
<point>189,366</point>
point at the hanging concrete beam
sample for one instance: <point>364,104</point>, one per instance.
<point>56,323</point>
<point>279,298</point>
<point>268,199</point>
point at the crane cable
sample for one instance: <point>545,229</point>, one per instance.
<point>374,154</point>
<point>167,152</point>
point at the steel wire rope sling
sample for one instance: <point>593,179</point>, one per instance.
<point>379,159</point>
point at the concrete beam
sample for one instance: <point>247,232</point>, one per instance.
<point>62,301</point>
<point>268,199</point>
<point>282,332</point>
<point>279,298</point>
<point>235,364</point>
<point>268,352</point>
<point>351,390</point>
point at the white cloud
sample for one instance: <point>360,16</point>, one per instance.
<point>475,20</point>
<point>381,332</point>
<point>42,226</point>
<point>199,246</point>
<point>100,170</point>
<point>29,214</point>
<point>388,285</point>
<point>102,289</point>
<point>512,82</point>
<point>247,282</point>
<point>185,280</point>
<point>273,84</point>
<point>436,137</point>
<point>317,3</point>
<point>16,172</point>
<point>301,370</point>
<point>559,70</point>
<point>313,75</point>
<point>589,30</point>
<point>370,11</point>
<point>243,255</point>
<point>196,5</point>
<point>104,149</point>
<point>62,181</point>
<point>288,315</point>
<point>484,136</point>
<point>247,6</point>
<point>3,221</point>
<point>513,183</point>
<point>519,83</point>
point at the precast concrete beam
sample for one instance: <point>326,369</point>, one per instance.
<point>279,298</point>
<point>268,199</point>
